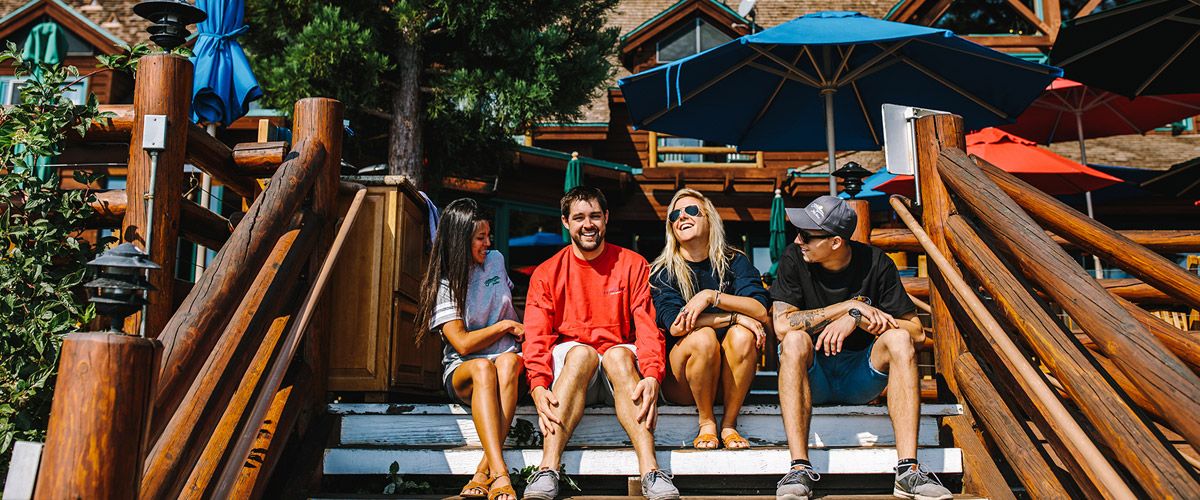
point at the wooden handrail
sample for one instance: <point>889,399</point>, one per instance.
<point>1164,241</point>
<point>241,448</point>
<point>201,225</point>
<point>1116,423</point>
<point>1093,462</point>
<point>191,331</point>
<point>215,158</point>
<point>175,449</point>
<point>1127,288</point>
<point>1094,237</point>
<point>1136,351</point>
<point>1027,461</point>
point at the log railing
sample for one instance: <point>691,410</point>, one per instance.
<point>999,274</point>
<point>654,150</point>
<point>242,356</point>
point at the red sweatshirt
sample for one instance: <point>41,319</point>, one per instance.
<point>600,303</point>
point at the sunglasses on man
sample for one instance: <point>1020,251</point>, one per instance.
<point>691,210</point>
<point>807,237</point>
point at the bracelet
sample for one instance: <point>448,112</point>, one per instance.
<point>732,318</point>
<point>717,299</point>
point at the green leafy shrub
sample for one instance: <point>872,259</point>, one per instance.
<point>42,257</point>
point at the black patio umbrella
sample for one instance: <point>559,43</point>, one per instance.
<point>1149,47</point>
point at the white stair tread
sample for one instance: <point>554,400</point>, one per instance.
<point>623,462</point>
<point>934,410</point>
<point>433,430</point>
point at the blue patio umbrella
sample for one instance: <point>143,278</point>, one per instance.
<point>779,89</point>
<point>224,85</point>
<point>537,239</point>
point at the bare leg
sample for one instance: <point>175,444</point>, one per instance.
<point>476,380</point>
<point>621,367</point>
<point>738,365</point>
<point>795,398</point>
<point>571,391</point>
<point>894,354</point>
<point>693,370</point>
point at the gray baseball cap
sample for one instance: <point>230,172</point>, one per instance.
<point>827,213</point>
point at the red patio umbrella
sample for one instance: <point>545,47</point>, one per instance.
<point>1022,157</point>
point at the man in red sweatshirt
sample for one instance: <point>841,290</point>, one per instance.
<point>590,334</point>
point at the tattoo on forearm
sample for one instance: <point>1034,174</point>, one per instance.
<point>811,321</point>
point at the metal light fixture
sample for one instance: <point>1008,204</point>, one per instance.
<point>170,18</point>
<point>852,176</point>
<point>120,284</point>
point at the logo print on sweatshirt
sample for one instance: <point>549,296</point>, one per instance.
<point>494,280</point>
<point>614,291</point>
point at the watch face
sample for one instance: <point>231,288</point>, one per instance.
<point>855,313</point>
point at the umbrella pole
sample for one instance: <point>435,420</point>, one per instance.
<point>1087,196</point>
<point>205,200</point>
<point>828,93</point>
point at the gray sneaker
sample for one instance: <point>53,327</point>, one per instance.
<point>797,484</point>
<point>657,485</point>
<point>919,483</point>
<point>542,485</point>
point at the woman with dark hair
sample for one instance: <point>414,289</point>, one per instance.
<point>709,300</point>
<point>466,296</point>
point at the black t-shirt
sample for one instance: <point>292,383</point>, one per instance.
<point>742,279</point>
<point>870,276</point>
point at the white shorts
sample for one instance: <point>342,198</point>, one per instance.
<point>595,389</point>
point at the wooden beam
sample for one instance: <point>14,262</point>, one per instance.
<point>1132,290</point>
<point>1122,431</point>
<point>1030,16</point>
<point>1164,241</point>
<point>200,225</point>
<point>215,158</point>
<point>258,159</point>
<point>1140,356</point>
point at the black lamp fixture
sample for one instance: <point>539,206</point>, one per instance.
<point>120,284</point>
<point>170,18</point>
<point>852,176</point>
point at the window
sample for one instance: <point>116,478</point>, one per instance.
<point>695,38</point>
<point>10,90</point>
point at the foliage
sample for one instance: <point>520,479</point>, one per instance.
<point>525,434</point>
<point>489,69</point>
<point>520,478</point>
<point>397,484</point>
<point>43,259</point>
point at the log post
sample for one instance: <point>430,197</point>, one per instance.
<point>862,231</point>
<point>1099,240</point>
<point>1170,384</point>
<point>932,134</point>
<point>1130,440</point>
<point>163,87</point>
<point>320,120</point>
<point>1027,462</point>
<point>93,445</point>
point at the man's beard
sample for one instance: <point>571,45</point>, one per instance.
<point>577,239</point>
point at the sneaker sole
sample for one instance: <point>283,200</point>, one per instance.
<point>535,496</point>
<point>664,497</point>
<point>791,497</point>
<point>898,493</point>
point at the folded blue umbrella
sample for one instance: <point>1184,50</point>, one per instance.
<point>223,85</point>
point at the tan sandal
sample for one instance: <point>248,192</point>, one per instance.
<point>707,439</point>
<point>473,487</point>
<point>494,493</point>
<point>735,441</point>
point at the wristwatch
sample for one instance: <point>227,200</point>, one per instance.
<point>856,314</point>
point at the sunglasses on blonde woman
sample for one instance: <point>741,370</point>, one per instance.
<point>691,210</point>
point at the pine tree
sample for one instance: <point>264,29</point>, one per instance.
<point>450,81</point>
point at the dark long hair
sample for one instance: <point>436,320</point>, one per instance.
<point>450,260</point>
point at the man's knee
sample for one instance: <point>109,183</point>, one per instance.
<point>619,358</point>
<point>796,347</point>
<point>581,358</point>
<point>899,345</point>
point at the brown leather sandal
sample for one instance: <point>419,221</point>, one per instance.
<point>708,439</point>
<point>735,441</point>
<point>473,487</point>
<point>497,492</point>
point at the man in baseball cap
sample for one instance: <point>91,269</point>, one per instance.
<point>846,330</point>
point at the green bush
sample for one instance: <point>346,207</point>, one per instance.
<point>43,257</point>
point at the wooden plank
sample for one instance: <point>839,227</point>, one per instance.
<point>216,159</point>
<point>605,430</point>
<point>980,474</point>
<point>203,226</point>
<point>1164,241</point>
<point>1142,357</point>
<point>623,462</point>
<point>1021,452</point>
<point>22,470</point>
<point>258,159</point>
<point>1130,289</point>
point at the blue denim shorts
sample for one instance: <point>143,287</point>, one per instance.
<point>845,378</point>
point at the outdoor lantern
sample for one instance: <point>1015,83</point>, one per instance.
<point>852,176</point>
<point>170,18</point>
<point>118,289</point>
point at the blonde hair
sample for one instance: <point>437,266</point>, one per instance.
<point>719,251</point>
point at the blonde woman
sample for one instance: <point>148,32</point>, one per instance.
<point>712,305</point>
